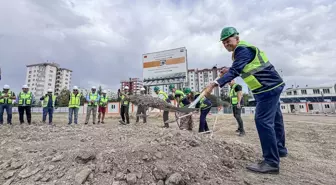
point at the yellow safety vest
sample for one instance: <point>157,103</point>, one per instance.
<point>74,101</point>
<point>179,92</point>
<point>103,101</point>
<point>233,95</point>
<point>259,63</point>
<point>6,100</point>
<point>25,98</point>
<point>94,98</point>
<point>202,104</point>
<point>46,100</point>
<point>123,101</point>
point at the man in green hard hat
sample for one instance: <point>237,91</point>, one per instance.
<point>253,66</point>
<point>178,94</point>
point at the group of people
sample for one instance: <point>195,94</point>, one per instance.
<point>249,62</point>
<point>25,100</point>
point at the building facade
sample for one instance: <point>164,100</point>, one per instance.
<point>319,99</point>
<point>134,84</point>
<point>43,76</point>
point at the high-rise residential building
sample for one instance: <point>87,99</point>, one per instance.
<point>134,84</point>
<point>43,76</point>
<point>199,78</point>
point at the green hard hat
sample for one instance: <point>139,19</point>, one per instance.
<point>187,90</point>
<point>171,86</point>
<point>156,88</point>
<point>228,32</point>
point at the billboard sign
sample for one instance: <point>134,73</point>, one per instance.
<point>165,67</point>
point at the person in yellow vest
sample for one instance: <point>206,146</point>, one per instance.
<point>103,101</point>
<point>74,104</point>
<point>6,103</point>
<point>92,98</point>
<point>141,110</point>
<point>236,95</point>
<point>163,96</point>
<point>25,100</point>
<point>48,104</point>
<point>254,67</point>
<point>124,106</point>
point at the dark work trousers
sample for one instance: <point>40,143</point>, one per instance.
<point>237,114</point>
<point>165,118</point>
<point>124,109</point>
<point>270,126</point>
<point>141,110</point>
<point>50,111</point>
<point>203,127</point>
<point>8,108</point>
<point>22,109</point>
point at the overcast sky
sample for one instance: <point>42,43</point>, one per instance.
<point>102,42</point>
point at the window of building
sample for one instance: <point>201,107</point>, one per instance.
<point>192,83</point>
<point>49,84</point>
<point>301,106</point>
<point>50,80</point>
<point>304,91</point>
<point>283,107</point>
<point>326,91</point>
<point>34,79</point>
<point>295,92</point>
<point>66,83</point>
<point>28,85</point>
<point>29,76</point>
<point>289,93</point>
<point>51,71</point>
<point>30,72</point>
<point>28,80</point>
<point>326,106</point>
<point>316,91</point>
<point>34,71</point>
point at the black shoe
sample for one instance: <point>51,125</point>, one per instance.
<point>241,134</point>
<point>238,130</point>
<point>94,123</point>
<point>283,155</point>
<point>263,167</point>
<point>122,122</point>
<point>69,123</point>
<point>102,122</point>
<point>86,123</point>
<point>98,122</point>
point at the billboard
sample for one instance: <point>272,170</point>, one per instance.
<point>165,67</point>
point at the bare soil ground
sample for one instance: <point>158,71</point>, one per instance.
<point>140,153</point>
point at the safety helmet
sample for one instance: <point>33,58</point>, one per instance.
<point>126,88</point>
<point>104,91</point>
<point>93,87</point>
<point>156,88</point>
<point>142,89</point>
<point>186,90</point>
<point>6,87</point>
<point>75,88</point>
<point>171,86</point>
<point>228,32</point>
<point>25,87</point>
<point>49,90</point>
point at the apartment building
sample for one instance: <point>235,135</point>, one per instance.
<point>43,76</point>
<point>134,84</point>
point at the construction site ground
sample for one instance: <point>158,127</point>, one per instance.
<point>140,153</point>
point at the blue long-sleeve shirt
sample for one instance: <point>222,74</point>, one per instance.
<point>268,77</point>
<point>24,104</point>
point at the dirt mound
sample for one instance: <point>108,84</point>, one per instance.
<point>115,154</point>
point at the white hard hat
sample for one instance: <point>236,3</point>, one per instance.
<point>50,90</point>
<point>6,86</point>
<point>93,87</point>
<point>24,86</point>
<point>75,88</point>
<point>104,91</point>
<point>142,89</point>
<point>126,87</point>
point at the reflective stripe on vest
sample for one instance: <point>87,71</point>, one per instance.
<point>233,95</point>
<point>259,63</point>
<point>25,98</point>
<point>93,97</point>
<point>103,101</point>
<point>6,100</point>
<point>74,101</point>
<point>46,100</point>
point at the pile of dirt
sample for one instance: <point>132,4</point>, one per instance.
<point>118,155</point>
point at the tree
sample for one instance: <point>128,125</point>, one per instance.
<point>63,98</point>
<point>113,97</point>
